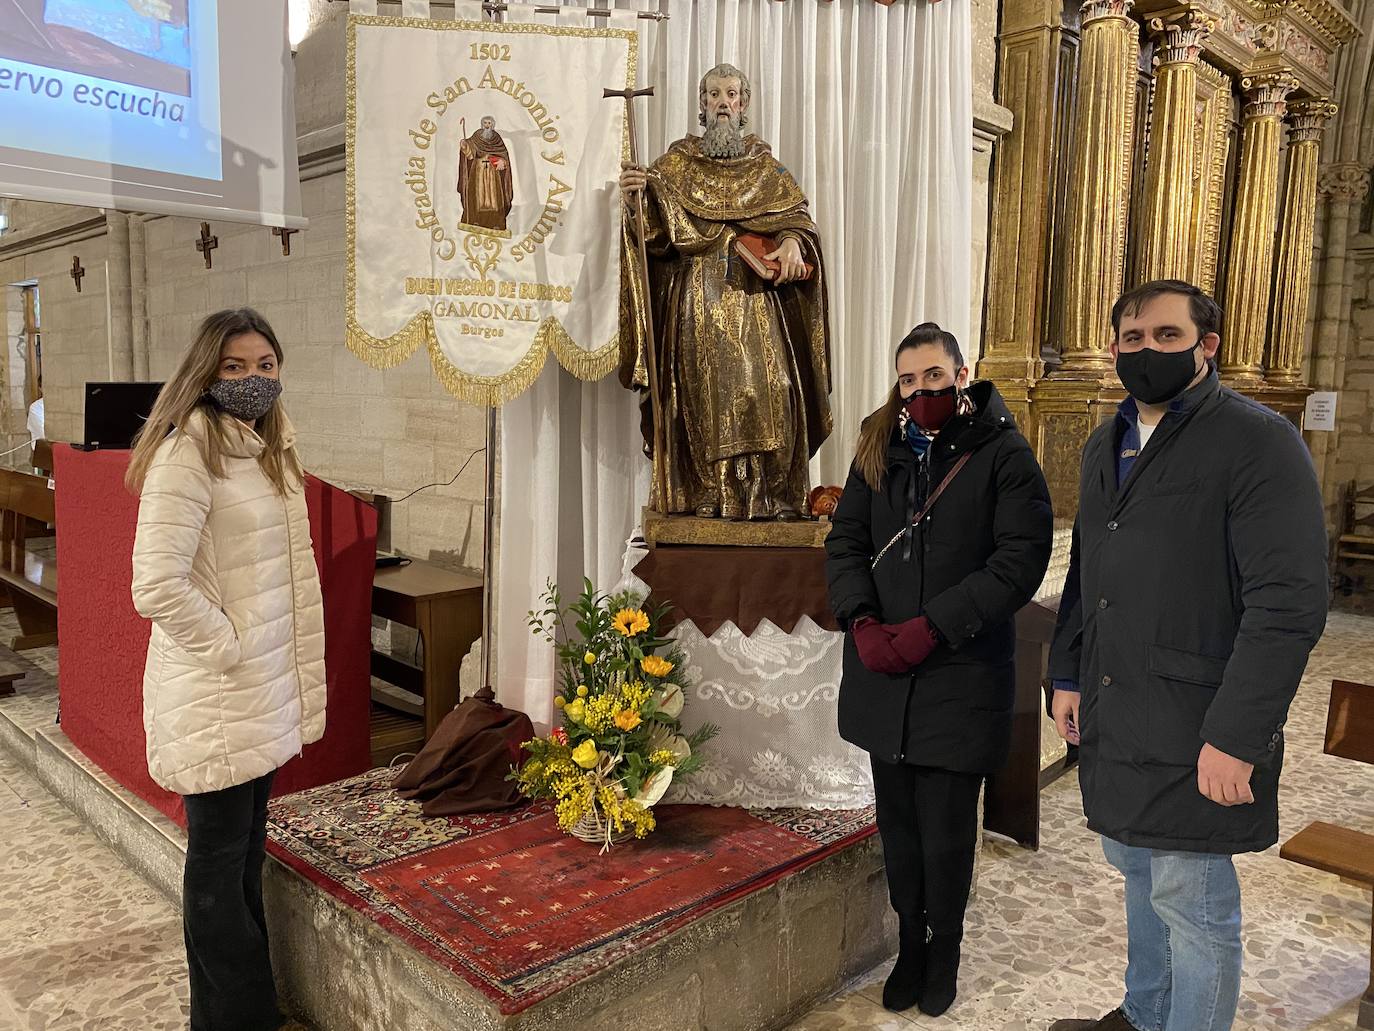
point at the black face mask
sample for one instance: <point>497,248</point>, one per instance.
<point>1154,377</point>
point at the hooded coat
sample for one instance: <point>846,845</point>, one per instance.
<point>974,561</point>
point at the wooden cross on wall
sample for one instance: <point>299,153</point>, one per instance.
<point>285,235</point>
<point>77,273</point>
<point>206,243</point>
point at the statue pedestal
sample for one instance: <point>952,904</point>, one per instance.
<point>662,529</point>
<point>764,654</point>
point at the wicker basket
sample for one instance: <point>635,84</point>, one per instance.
<point>595,829</point>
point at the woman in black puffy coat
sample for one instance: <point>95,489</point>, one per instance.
<point>942,534</point>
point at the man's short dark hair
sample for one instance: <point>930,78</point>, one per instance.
<point>1205,312</point>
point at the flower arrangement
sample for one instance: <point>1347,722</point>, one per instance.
<point>621,696</point>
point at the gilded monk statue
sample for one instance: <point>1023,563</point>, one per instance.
<point>484,178</point>
<point>743,363</point>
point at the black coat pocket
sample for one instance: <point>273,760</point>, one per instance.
<point>1181,686</point>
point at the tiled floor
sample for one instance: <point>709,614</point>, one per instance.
<point>1046,934</point>
<point>86,944</point>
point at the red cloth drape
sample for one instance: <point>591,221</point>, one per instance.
<point>103,641</point>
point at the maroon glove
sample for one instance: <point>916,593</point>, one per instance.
<point>913,641</point>
<point>874,642</point>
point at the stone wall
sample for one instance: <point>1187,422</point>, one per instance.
<point>991,121</point>
<point>13,411</point>
<point>390,431</point>
<point>75,330</point>
<point>1354,454</point>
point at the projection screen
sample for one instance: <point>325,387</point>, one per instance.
<point>181,107</point>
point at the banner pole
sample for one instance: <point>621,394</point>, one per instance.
<point>488,534</point>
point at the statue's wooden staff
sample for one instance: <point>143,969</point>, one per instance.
<point>650,350</point>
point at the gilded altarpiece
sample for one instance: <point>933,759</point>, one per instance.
<point>1212,141</point>
<point>1068,184</point>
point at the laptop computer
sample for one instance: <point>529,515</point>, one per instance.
<point>115,412</point>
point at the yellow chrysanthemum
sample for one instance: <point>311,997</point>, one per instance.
<point>656,666</point>
<point>559,701</point>
<point>576,711</point>
<point>630,622</point>
<point>582,691</point>
<point>627,720</point>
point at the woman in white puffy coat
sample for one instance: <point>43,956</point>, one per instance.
<point>234,684</point>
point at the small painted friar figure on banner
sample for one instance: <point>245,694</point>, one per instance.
<point>485,185</point>
<point>737,284</point>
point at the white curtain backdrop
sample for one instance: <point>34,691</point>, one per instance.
<point>870,107</point>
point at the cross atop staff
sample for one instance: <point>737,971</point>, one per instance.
<point>650,351</point>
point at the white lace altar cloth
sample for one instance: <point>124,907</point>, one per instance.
<point>773,694</point>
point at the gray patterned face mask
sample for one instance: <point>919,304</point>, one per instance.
<point>249,398</point>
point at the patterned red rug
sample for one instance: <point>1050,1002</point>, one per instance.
<point>516,907</point>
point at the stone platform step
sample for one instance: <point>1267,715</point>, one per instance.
<point>756,964</point>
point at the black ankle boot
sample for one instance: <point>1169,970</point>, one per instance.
<point>903,987</point>
<point>941,980</point>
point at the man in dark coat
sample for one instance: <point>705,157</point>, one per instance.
<point>1196,589</point>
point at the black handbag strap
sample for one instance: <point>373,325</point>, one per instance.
<point>925,509</point>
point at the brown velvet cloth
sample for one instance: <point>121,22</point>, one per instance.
<point>712,586</point>
<point>462,769</point>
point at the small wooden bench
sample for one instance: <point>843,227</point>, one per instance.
<point>1340,850</point>
<point>28,564</point>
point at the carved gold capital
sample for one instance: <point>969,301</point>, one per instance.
<point>1179,39</point>
<point>1307,119</point>
<point>1347,181</point>
<point>1096,10</point>
<point>1266,95</point>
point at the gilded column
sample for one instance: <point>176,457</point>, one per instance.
<point>1099,185</point>
<point>1166,244</point>
<point>1030,84</point>
<point>1293,287</point>
<point>1250,273</point>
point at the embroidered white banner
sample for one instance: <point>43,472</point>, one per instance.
<point>483,212</point>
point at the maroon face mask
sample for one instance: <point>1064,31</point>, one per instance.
<point>931,409</point>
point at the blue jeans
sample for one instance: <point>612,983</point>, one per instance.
<point>1183,929</point>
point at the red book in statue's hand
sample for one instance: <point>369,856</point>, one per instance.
<point>754,248</point>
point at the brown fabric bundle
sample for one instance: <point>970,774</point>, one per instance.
<point>462,769</point>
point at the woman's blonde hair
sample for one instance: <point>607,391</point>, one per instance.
<point>185,392</point>
<point>877,430</point>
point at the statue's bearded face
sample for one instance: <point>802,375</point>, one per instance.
<point>488,128</point>
<point>722,109</point>
<point>722,100</point>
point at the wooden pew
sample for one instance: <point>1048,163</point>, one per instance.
<point>1340,850</point>
<point>1011,804</point>
<point>28,567</point>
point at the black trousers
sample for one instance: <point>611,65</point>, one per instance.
<point>222,915</point>
<point>928,823</point>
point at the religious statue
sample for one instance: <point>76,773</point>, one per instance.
<point>484,179</point>
<point>743,362</point>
